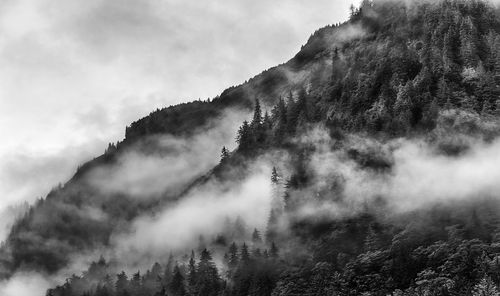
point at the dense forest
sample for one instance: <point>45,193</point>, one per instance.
<point>331,125</point>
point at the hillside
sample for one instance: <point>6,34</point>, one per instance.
<point>365,165</point>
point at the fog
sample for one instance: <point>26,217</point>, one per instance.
<point>73,74</point>
<point>203,212</point>
<point>172,161</point>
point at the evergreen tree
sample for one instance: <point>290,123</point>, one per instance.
<point>233,256</point>
<point>244,254</point>
<point>257,115</point>
<point>280,117</point>
<point>485,287</point>
<point>177,287</point>
<point>169,268</point>
<point>257,126</point>
<point>121,285</point>
<point>244,137</point>
<point>208,281</point>
<point>192,275</point>
<point>256,238</point>
<point>224,155</point>
<point>135,284</point>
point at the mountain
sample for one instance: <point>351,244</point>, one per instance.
<point>378,145</point>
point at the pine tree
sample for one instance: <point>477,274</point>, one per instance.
<point>257,126</point>
<point>135,283</point>
<point>177,287</point>
<point>485,287</point>
<point>244,254</point>
<point>257,115</point>
<point>280,117</point>
<point>192,275</point>
<point>169,268</point>
<point>256,238</point>
<point>121,285</point>
<point>233,256</point>
<point>244,137</point>
<point>224,155</point>
<point>208,282</point>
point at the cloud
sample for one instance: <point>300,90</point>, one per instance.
<point>25,284</point>
<point>175,162</point>
<point>416,174</point>
<point>203,212</point>
<point>74,73</point>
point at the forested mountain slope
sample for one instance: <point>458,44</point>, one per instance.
<point>379,142</point>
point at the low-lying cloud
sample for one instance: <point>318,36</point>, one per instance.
<point>203,212</point>
<point>173,162</point>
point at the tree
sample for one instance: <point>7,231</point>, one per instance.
<point>485,287</point>
<point>224,154</point>
<point>257,115</point>
<point>244,254</point>
<point>177,287</point>
<point>256,237</point>
<point>233,256</point>
<point>280,118</point>
<point>257,126</point>
<point>169,268</point>
<point>192,275</point>
<point>121,285</point>
<point>135,284</point>
<point>208,282</point>
<point>244,137</point>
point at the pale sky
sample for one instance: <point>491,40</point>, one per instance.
<point>74,73</point>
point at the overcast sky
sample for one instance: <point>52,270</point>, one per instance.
<point>74,73</point>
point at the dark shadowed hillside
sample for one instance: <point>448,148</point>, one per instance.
<point>365,165</point>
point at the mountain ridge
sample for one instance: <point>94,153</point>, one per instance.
<point>394,70</point>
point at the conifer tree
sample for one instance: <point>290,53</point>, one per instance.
<point>208,282</point>
<point>244,254</point>
<point>177,287</point>
<point>256,238</point>
<point>244,137</point>
<point>257,115</point>
<point>169,268</point>
<point>224,155</point>
<point>192,275</point>
<point>233,256</point>
<point>121,285</point>
<point>485,287</point>
<point>135,283</point>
